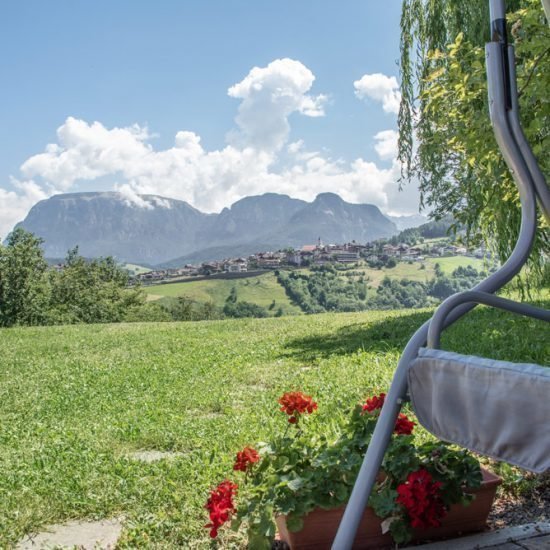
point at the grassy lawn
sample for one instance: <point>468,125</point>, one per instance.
<point>261,290</point>
<point>74,401</point>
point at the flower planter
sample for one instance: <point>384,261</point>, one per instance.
<point>320,526</point>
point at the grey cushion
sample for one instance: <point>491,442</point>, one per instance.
<point>495,408</point>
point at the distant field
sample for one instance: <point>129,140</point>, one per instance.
<point>261,290</point>
<point>413,271</point>
<point>448,264</point>
<point>135,269</point>
<point>75,401</point>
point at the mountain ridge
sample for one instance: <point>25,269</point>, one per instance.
<point>158,231</point>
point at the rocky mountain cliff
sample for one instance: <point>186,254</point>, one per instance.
<point>155,230</point>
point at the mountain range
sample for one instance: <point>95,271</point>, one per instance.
<point>154,230</point>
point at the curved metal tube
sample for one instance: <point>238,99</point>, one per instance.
<point>498,106</point>
<point>438,320</point>
<point>541,188</point>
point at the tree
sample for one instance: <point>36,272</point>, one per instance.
<point>182,309</point>
<point>455,156</point>
<point>232,298</point>
<point>91,291</point>
<point>147,313</point>
<point>24,292</point>
<point>244,309</point>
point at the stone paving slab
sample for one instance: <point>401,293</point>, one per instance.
<point>86,535</point>
<point>538,543</point>
<point>532,536</point>
<point>154,456</point>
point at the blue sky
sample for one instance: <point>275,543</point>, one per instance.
<point>144,71</point>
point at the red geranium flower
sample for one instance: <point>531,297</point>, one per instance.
<point>420,497</point>
<point>374,403</point>
<point>245,459</point>
<point>403,426</point>
<point>295,403</point>
<point>220,506</point>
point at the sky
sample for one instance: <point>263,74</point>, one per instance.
<point>206,101</point>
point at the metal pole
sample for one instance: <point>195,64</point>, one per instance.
<point>539,181</point>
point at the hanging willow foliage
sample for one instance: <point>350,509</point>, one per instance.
<point>446,141</point>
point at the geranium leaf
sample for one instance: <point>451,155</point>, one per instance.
<point>386,524</point>
<point>296,484</point>
<point>400,531</point>
<point>258,542</point>
<point>383,502</point>
<point>294,523</point>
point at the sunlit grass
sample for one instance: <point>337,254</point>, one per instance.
<point>261,290</point>
<point>75,401</point>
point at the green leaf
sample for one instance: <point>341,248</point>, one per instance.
<point>258,542</point>
<point>294,523</point>
<point>400,531</point>
<point>383,502</point>
<point>295,484</point>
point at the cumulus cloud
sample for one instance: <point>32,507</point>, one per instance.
<point>381,88</point>
<point>86,151</point>
<point>386,144</point>
<point>131,198</point>
<point>14,205</point>
<point>269,96</point>
<point>257,158</point>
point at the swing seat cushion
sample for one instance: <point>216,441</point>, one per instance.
<point>495,408</point>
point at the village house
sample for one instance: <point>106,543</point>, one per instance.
<point>390,250</point>
<point>240,265</point>
<point>344,256</point>
<point>322,259</point>
<point>294,258</point>
<point>207,268</point>
<point>152,275</point>
<point>268,260</point>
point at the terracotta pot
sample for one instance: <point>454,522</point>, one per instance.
<point>320,526</point>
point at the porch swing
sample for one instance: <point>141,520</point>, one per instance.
<point>495,408</point>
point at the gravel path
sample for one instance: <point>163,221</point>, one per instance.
<point>510,509</point>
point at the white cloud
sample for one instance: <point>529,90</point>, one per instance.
<point>14,205</point>
<point>258,158</point>
<point>86,152</point>
<point>381,88</point>
<point>386,144</point>
<point>269,96</point>
<point>295,146</point>
<point>131,198</point>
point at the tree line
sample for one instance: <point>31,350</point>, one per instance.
<point>324,290</point>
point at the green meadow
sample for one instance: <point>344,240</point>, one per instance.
<point>76,401</point>
<point>261,290</point>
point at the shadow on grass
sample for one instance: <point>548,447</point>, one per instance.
<point>390,334</point>
<point>483,332</point>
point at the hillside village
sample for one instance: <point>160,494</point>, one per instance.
<point>376,253</point>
